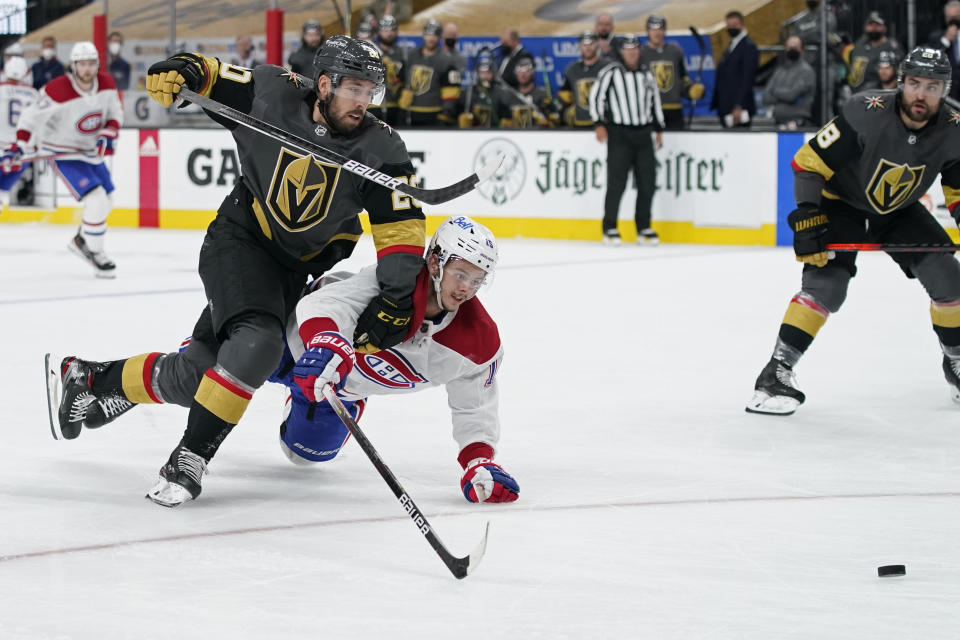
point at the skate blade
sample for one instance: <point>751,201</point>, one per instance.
<point>954,393</point>
<point>764,403</point>
<point>51,364</point>
<point>105,275</point>
<point>168,494</point>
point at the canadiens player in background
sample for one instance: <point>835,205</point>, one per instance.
<point>860,179</point>
<point>16,94</point>
<point>289,216</point>
<point>77,116</point>
<point>452,341</point>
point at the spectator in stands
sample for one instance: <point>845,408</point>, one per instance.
<point>603,27</point>
<point>537,108</point>
<point>946,40</point>
<point>450,35</point>
<point>790,91</point>
<point>511,52</point>
<point>116,65</point>
<point>245,53</point>
<point>47,67</point>
<point>887,66</point>
<point>733,94</point>
<point>395,63</point>
<point>861,57</point>
<point>301,60</point>
<point>578,77</point>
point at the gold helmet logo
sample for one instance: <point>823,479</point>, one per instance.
<point>892,185</point>
<point>663,72</point>
<point>420,78</point>
<point>301,190</point>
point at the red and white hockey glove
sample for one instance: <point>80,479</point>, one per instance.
<point>486,481</point>
<point>10,159</point>
<point>328,359</point>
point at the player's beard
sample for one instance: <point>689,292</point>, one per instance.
<point>907,108</point>
<point>340,120</point>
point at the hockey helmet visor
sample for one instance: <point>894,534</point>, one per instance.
<point>924,62</point>
<point>656,22</point>
<point>345,57</point>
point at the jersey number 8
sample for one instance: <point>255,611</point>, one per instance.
<point>828,135</point>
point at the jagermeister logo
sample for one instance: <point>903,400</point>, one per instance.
<point>420,78</point>
<point>301,190</point>
<point>858,68</point>
<point>663,72</point>
<point>892,185</point>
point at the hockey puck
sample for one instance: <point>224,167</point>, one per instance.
<point>889,570</point>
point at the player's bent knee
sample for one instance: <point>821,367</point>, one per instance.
<point>828,286</point>
<point>939,273</point>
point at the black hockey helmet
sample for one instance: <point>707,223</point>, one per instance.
<point>924,62</point>
<point>345,57</point>
<point>656,22</point>
<point>388,22</point>
<point>433,28</point>
<point>888,59</point>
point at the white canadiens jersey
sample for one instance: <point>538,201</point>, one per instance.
<point>461,351</point>
<point>14,99</point>
<point>64,118</point>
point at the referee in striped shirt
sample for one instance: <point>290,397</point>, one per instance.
<point>625,108</point>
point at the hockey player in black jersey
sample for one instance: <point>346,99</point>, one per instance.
<point>289,216</point>
<point>860,179</point>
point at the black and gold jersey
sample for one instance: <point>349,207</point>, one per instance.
<point>670,70</point>
<point>307,209</point>
<point>861,59</point>
<point>432,79</point>
<point>869,159</point>
<point>578,78</point>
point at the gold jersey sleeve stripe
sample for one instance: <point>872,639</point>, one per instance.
<point>807,159</point>
<point>406,232</point>
<point>951,195</point>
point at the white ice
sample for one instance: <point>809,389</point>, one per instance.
<point>652,505</point>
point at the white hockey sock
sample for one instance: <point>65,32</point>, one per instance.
<point>96,207</point>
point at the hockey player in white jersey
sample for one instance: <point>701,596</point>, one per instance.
<point>16,94</point>
<point>77,117</point>
<point>452,341</point>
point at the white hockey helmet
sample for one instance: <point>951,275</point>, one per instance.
<point>15,68</point>
<point>84,51</point>
<point>462,237</point>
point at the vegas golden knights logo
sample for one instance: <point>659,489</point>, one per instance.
<point>858,68</point>
<point>522,117</point>
<point>481,116</point>
<point>663,72</point>
<point>892,185</point>
<point>420,78</point>
<point>583,91</point>
<point>301,190</point>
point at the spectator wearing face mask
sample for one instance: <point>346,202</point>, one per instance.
<point>733,95</point>
<point>450,36</point>
<point>511,53</point>
<point>861,57</point>
<point>47,67</point>
<point>790,91</point>
<point>117,66</point>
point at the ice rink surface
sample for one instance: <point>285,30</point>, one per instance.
<point>651,505</point>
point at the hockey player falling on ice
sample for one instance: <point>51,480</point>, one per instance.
<point>452,341</point>
<point>15,96</point>
<point>77,117</point>
<point>872,163</point>
<point>289,216</point>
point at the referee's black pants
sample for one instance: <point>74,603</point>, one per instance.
<point>629,148</point>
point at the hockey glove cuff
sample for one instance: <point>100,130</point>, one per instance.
<point>10,159</point>
<point>383,324</point>
<point>328,359</point>
<point>486,481</point>
<point>810,226</point>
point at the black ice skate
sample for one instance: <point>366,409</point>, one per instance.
<point>179,478</point>
<point>611,237</point>
<point>776,391</point>
<point>951,371</point>
<point>107,408</point>
<point>71,401</point>
<point>648,237</point>
<point>103,267</point>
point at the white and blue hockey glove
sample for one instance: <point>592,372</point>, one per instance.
<point>328,359</point>
<point>486,481</point>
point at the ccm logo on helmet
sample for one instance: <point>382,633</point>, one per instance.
<point>90,123</point>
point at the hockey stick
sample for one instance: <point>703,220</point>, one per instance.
<point>703,54</point>
<point>459,567</point>
<point>893,248</point>
<point>430,196</point>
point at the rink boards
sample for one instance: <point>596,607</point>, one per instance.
<point>713,188</point>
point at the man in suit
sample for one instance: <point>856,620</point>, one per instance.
<point>946,40</point>
<point>511,52</point>
<point>733,95</point>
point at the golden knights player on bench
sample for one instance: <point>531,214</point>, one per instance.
<point>667,64</point>
<point>858,180</point>
<point>289,216</point>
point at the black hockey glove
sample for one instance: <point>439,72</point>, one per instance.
<point>383,324</point>
<point>165,78</point>
<point>810,227</point>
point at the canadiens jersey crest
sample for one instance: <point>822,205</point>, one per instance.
<point>874,102</point>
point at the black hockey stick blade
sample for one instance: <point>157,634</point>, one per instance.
<point>429,196</point>
<point>893,248</point>
<point>459,567</point>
